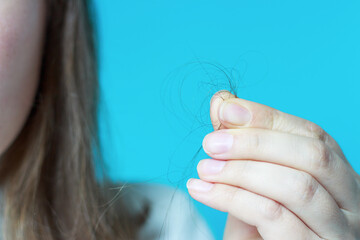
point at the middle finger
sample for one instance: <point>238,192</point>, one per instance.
<point>307,154</point>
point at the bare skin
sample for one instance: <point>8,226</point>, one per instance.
<point>21,32</point>
<point>283,177</point>
<point>277,175</point>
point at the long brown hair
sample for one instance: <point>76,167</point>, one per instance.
<point>50,189</point>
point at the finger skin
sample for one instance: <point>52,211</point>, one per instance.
<point>272,220</point>
<point>295,190</point>
<point>238,230</point>
<point>215,103</point>
<point>303,153</point>
<point>283,124</point>
<point>266,117</point>
<point>235,229</point>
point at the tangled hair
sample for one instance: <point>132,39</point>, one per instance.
<point>50,190</point>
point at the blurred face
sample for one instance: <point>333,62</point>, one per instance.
<point>21,33</point>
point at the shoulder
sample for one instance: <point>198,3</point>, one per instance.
<point>172,213</point>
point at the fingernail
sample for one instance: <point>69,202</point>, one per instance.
<point>198,185</point>
<point>210,166</point>
<point>218,142</point>
<point>234,113</point>
<point>218,95</point>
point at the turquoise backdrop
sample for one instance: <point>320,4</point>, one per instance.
<point>161,60</point>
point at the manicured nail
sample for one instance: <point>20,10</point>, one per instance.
<point>198,185</point>
<point>210,166</point>
<point>234,113</point>
<point>217,142</point>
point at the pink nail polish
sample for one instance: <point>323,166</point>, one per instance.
<point>234,113</point>
<point>198,185</point>
<point>218,142</point>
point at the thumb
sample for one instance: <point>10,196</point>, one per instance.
<point>215,104</point>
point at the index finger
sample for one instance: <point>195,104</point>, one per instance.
<point>229,111</point>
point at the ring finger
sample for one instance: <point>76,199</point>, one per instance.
<point>296,190</point>
<point>303,153</point>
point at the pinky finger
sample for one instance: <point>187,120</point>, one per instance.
<point>272,219</point>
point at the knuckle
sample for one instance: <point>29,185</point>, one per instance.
<point>271,210</point>
<point>320,155</point>
<point>277,120</point>
<point>232,196</point>
<point>219,194</point>
<point>315,130</point>
<point>272,118</point>
<point>253,141</point>
<point>239,169</point>
<point>305,187</point>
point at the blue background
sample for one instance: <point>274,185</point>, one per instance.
<point>301,57</point>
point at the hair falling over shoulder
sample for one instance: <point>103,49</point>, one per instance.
<point>47,175</point>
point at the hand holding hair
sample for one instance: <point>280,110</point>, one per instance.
<point>277,175</point>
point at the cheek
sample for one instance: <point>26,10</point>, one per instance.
<point>21,31</point>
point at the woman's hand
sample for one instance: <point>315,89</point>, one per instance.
<point>277,175</point>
